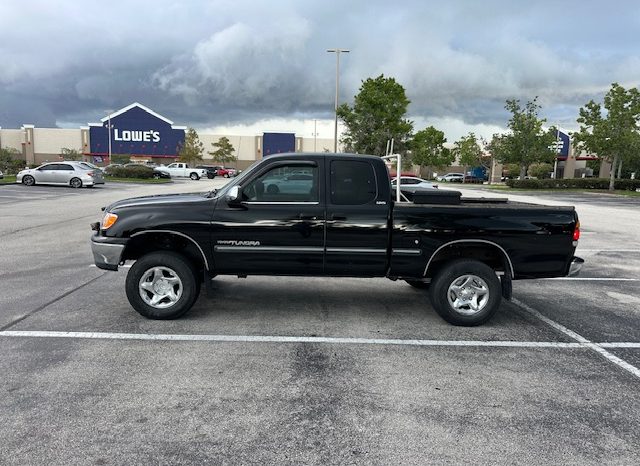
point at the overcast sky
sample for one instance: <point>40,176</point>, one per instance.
<point>247,66</point>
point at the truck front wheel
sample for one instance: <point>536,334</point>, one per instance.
<point>162,285</point>
<point>466,292</point>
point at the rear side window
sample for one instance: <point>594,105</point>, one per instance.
<point>64,166</point>
<point>352,182</point>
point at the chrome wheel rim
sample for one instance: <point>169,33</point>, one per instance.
<point>160,287</point>
<point>76,183</point>
<point>28,180</point>
<point>468,294</point>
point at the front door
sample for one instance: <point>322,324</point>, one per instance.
<point>279,226</point>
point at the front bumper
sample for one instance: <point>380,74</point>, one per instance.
<point>107,252</point>
<point>575,266</point>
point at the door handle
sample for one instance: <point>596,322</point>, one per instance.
<point>338,217</point>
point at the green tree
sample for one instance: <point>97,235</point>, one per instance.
<point>224,151</point>
<point>613,137</point>
<point>120,158</point>
<point>427,149</point>
<point>191,150</point>
<point>541,170</point>
<point>377,115</point>
<point>468,152</point>
<point>527,142</point>
<point>70,154</point>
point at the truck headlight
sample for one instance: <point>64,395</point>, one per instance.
<point>108,220</point>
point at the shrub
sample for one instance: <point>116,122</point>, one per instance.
<point>130,172</point>
<point>576,183</point>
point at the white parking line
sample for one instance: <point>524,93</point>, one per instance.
<point>329,340</point>
<point>600,279</point>
<point>598,348</point>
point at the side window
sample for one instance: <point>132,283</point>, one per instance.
<point>51,166</point>
<point>289,183</point>
<point>172,165</point>
<point>352,183</point>
<point>64,166</point>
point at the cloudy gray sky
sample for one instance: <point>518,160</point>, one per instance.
<point>249,66</point>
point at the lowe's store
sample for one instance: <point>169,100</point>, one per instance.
<point>144,135</point>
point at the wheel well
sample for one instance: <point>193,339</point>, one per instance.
<point>140,245</point>
<point>487,253</point>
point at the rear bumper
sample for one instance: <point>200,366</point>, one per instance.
<point>107,252</point>
<point>575,266</point>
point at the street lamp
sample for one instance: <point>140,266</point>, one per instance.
<point>335,132</point>
<point>109,112</point>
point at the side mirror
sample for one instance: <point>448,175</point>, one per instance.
<point>234,196</point>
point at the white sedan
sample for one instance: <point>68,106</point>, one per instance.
<point>413,183</point>
<point>65,173</point>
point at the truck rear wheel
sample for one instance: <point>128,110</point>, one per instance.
<point>162,285</point>
<point>194,176</point>
<point>466,292</point>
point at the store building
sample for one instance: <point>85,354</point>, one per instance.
<point>144,135</point>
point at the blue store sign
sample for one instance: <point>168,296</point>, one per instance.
<point>136,130</point>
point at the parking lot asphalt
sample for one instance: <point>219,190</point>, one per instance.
<point>310,370</point>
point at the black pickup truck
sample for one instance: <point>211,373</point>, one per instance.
<point>333,215</point>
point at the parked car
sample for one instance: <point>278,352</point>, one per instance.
<point>451,177</point>
<point>413,182</point>
<point>179,169</point>
<point>343,224</point>
<point>211,170</point>
<point>225,172</point>
<point>72,174</point>
<point>91,166</point>
<point>410,184</point>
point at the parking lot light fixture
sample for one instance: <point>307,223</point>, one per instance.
<point>335,132</point>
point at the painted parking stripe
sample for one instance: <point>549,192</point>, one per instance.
<point>598,348</point>
<point>303,339</point>
<point>597,279</point>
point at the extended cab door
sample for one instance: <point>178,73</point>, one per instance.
<point>278,229</point>
<point>357,218</point>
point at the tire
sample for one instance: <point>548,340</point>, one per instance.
<point>75,183</point>
<point>156,176</point>
<point>226,175</point>
<point>194,176</point>
<point>273,189</point>
<point>28,180</point>
<point>418,284</point>
<point>144,279</point>
<point>473,285</point>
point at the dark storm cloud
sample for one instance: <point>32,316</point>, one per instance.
<point>219,62</point>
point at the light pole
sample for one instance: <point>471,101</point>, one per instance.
<point>315,134</point>
<point>335,132</point>
<point>109,112</point>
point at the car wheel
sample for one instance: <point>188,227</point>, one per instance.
<point>75,183</point>
<point>162,285</point>
<point>226,175</point>
<point>28,180</point>
<point>194,176</point>
<point>418,284</point>
<point>156,176</point>
<point>466,292</point>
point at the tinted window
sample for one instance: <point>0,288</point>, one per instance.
<point>284,184</point>
<point>64,166</point>
<point>51,166</point>
<point>352,183</point>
